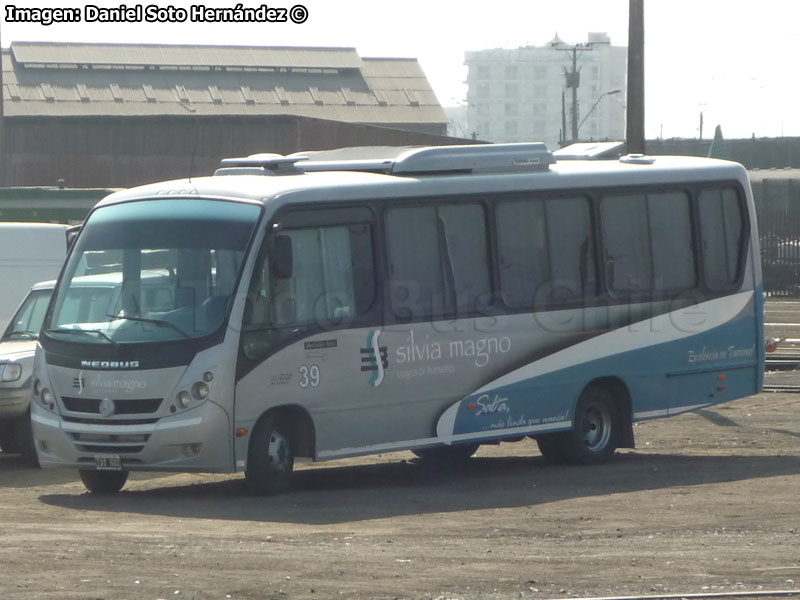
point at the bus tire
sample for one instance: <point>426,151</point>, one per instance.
<point>447,454</point>
<point>595,431</point>
<point>103,482</point>
<point>552,448</point>
<point>25,443</point>
<point>270,458</point>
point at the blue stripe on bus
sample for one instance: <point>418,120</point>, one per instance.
<point>661,378</point>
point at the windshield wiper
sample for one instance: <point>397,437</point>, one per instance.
<point>27,335</point>
<point>158,322</point>
<point>96,331</point>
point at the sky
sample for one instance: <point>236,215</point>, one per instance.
<point>731,60</point>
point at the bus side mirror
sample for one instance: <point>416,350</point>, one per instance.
<point>282,257</point>
<point>72,234</point>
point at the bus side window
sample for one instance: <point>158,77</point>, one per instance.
<point>627,243</point>
<point>672,243</point>
<point>320,289</point>
<point>546,251</point>
<point>722,228</point>
<point>439,262</point>
<point>331,282</point>
<point>648,242</point>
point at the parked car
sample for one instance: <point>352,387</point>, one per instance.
<point>17,348</point>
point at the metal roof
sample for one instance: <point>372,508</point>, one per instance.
<point>53,53</point>
<point>55,79</point>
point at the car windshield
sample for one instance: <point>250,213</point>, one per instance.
<point>27,323</point>
<point>153,270</point>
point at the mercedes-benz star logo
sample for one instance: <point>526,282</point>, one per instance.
<point>106,407</point>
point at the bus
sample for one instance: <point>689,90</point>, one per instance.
<point>341,303</point>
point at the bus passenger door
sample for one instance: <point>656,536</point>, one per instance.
<point>313,288</point>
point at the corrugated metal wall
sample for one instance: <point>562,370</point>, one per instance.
<point>755,153</point>
<point>129,151</point>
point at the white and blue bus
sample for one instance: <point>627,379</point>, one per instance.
<point>427,299</point>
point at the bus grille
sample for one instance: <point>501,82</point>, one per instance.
<point>124,406</point>
<point>112,422</point>
<point>110,443</point>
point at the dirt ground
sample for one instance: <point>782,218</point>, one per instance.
<point>707,502</point>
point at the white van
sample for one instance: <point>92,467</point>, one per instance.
<point>29,252</point>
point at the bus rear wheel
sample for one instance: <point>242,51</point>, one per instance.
<point>270,459</point>
<point>595,433</point>
<point>103,482</point>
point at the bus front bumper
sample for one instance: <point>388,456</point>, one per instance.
<point>197,440</point>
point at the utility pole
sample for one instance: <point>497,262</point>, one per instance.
<point>573,81</point>
<point>635,120</point>
<point>3,146</point>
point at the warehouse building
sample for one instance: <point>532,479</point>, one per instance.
<point>117,115</point>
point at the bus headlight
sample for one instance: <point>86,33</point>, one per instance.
<point>200,390</point>
<point>184,398</point>
<point>10,371</point>
<point>37,387</point>
<point>197,391</point>
<point>47,399</point>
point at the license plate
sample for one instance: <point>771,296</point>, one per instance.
<point>107,462</point>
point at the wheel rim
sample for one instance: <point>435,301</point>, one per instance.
<point>278,452</point>
<point>595,427</point>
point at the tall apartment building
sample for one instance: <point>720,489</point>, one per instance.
<point>516,95</point>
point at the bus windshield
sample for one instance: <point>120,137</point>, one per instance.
<point>153,271</point>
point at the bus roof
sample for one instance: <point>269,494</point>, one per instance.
<point>436,170</point>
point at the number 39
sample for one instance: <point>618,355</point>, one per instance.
<point>309,376</point>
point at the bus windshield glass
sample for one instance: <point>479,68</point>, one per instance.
<point>153,271</point>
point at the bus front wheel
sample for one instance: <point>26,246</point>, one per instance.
<point>594,436</point>
<point>103,482</point>
<point>270,459</point>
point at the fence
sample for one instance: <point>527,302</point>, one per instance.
<point>778,211</point>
